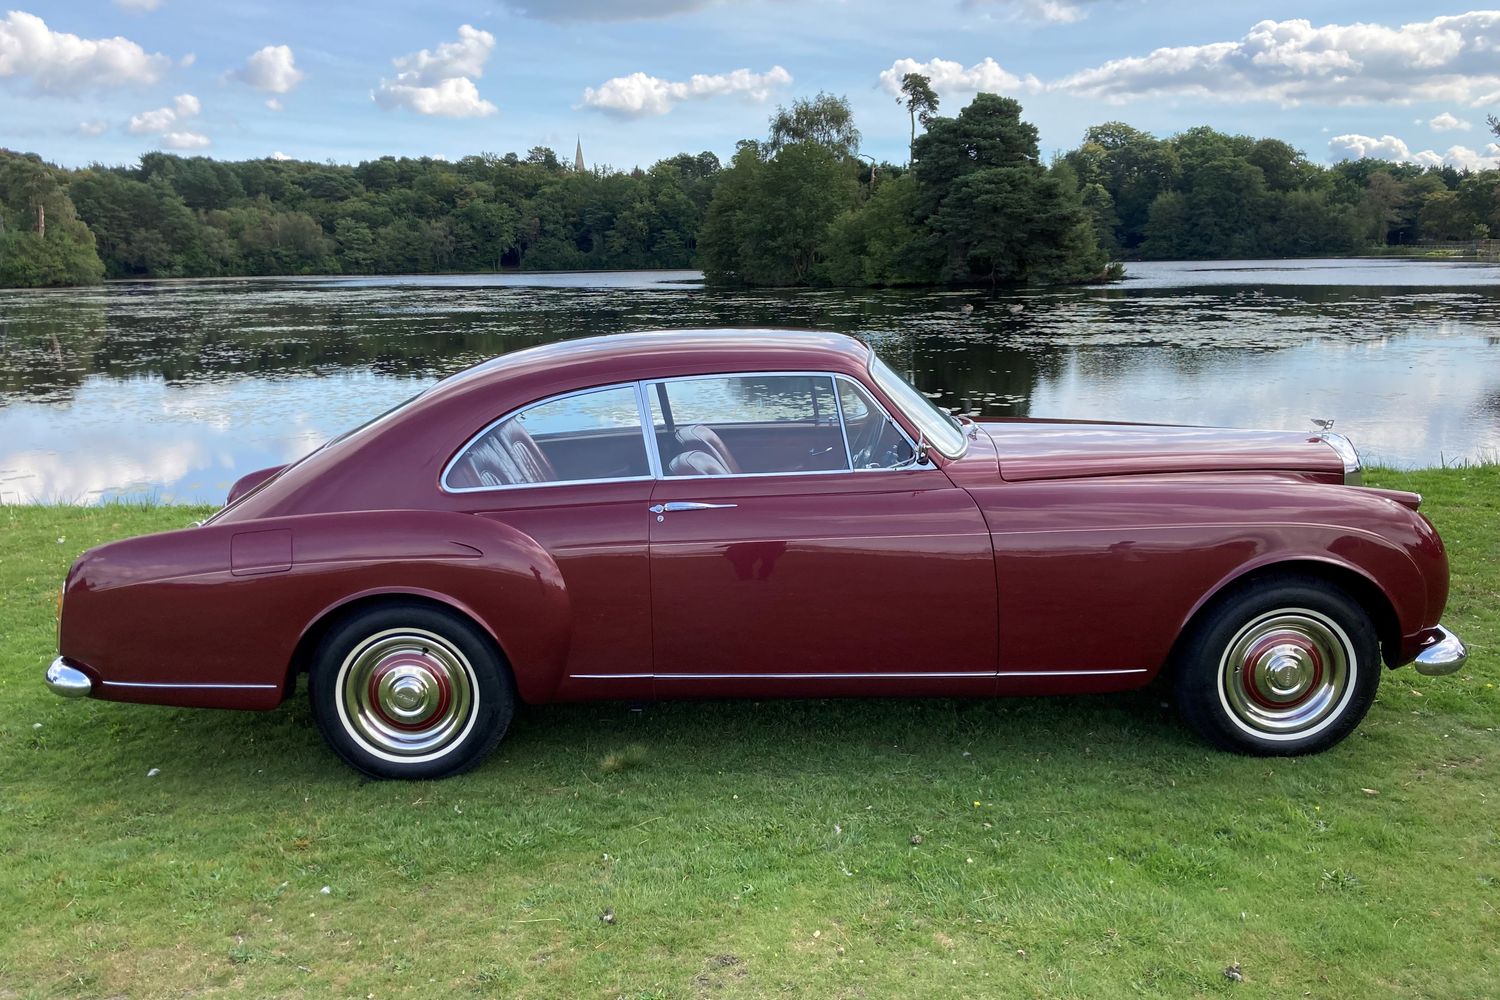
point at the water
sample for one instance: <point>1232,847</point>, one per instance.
<point>173,389</point>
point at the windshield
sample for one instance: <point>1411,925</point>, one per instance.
<point>942,431</point>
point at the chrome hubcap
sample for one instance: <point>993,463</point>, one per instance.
<point>1286,673</point>
<point>407,694</point>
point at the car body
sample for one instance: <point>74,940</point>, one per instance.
<point>737,513</point>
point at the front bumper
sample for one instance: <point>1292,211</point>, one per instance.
<point>1443,656</point>
<point>67,680</point>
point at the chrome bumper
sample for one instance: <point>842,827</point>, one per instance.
<point>70,682</point>
<point>1444,656</point>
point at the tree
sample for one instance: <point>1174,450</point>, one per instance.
<point>825,120</point>
<point>920,101</point>
<point>42,240</point>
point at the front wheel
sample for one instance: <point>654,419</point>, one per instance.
<point>1283,666</point>
<point>410,691</point>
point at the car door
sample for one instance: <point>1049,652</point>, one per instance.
<point>573,473</point>
<point>778,567</point>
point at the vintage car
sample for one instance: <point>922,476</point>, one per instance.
<point>758,513</point>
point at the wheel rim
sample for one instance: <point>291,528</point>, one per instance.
<point>407,694</point>
<point>1287,674</point>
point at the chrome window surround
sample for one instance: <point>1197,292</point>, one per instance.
<point>642,418</point>
<point>878,371</point>
<point>648,431</point>
<point>833,379</point>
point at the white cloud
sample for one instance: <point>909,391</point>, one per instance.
<point>94,126</point>
<point>272,69</point>
<point>639,95</point>
<point>1388,147</point>
<point>162,119</point>
<point>1453,58</point>
<point>438,81</point>
<point>1447,122</point>
<point>274,104</point>
<point>949,77</point>
<point>138,6</point>
<point>279,155</point>
<point>60,63</point>
<point>1044,11</point>
<point>185,140</point>
<point>166,124</point>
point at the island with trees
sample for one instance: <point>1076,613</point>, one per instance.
<point>974,205</point>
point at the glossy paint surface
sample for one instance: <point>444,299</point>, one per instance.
<point>1051,557</point>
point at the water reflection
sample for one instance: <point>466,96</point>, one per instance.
<point>173,389</point>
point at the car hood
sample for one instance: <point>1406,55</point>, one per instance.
<point>1040,449</point>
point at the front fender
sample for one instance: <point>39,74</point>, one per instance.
<point>212,615</point>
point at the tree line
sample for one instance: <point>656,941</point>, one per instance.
<point>974,204</point>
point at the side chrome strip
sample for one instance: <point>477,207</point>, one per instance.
<point>909,675</point>
<point>230,687</point>
<point>1067,673</point>
<point>825,677</point>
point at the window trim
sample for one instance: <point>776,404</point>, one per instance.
<point>833,378</point>
<point>642,388</point>
<point>642,418</point>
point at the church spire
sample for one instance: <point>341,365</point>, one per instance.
<point>578,156</point>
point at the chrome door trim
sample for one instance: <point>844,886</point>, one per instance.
<point>1068,673</point>
<point>194,687</point>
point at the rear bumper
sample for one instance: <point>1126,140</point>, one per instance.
<point>67,680</point>
<point>1445,654</point>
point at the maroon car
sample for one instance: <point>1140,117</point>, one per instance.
<point>704,514</point>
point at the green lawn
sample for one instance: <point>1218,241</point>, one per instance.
<point>1082,847</point>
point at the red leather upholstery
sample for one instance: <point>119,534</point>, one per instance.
<point>701,438</point>
<point>505,456</point>
<point>696,463</point>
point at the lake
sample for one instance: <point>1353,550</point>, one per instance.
<point>173,389</point>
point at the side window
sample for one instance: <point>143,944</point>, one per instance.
<point>589,435</point>
<point>744,424</point>
<point>875,441</point>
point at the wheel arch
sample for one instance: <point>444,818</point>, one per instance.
<point>1353,580</point>
<point>301,659</point>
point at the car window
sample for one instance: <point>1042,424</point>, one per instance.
<point>875,440</point>
<point>747,425</point>
<point>584,436</point>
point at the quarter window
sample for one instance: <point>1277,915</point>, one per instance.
<point>584,436</point>
<point>747,424</point>
<point>875,442</point>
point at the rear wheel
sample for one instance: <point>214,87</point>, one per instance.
<point>410,691</point>
<point>1284,665</point>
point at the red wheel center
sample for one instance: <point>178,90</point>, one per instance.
<point>1268,656</point>
<point>408,690</point>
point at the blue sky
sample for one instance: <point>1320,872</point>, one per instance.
<point>106,80</point>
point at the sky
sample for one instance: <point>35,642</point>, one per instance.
<point>635,81</point>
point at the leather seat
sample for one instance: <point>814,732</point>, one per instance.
<point>699,437</point>
<point>506,456</point>
<point>696,463</point>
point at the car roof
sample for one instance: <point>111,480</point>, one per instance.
<point>627,357</point>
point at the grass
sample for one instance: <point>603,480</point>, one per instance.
<point>1080,847</point>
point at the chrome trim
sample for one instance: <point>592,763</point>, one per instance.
<point>1348,454</point>
<point>192,687</point>
<point>838,405</point>
<point>914,445</point>
<point>675,506</point>
<point>653,447</point>
<point>68,681</point>
<point>1068,673</point>
<point>517,411</point>
<point>1446,655</point>
<point>824,677</point>
<point>611,677</point>
<point>870,369</point>
<point>835,376</point>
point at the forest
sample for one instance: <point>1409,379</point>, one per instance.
<point>973,205</point>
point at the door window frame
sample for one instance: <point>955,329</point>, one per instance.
<point>642,388</point>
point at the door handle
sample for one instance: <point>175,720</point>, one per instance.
<point>676,506</point>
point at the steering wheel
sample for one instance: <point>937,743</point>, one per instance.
<point>863,445</point>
